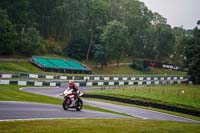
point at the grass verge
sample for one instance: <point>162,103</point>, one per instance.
<point>169,94</point>
<point>126,70</point>
<point>98,126</point>
<point>149,108</point>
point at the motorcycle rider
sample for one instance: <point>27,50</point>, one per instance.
<point>72,85</point>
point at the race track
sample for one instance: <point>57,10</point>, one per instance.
<point>15,110</point>
<point>132,111</point>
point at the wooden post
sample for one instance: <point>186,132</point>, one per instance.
<point>149,89</point>
<point>163,91</point>
<point>195,94</point>
<point>178,92</point>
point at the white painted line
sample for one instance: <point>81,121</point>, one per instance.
<point>88,78</point>
<point>106,78</point>
<point>63,77</point>
<point>6,76</point>
<point>141,78</point>
<point>89,84</point>
<point>148,78</point>
<point>124,78</point>
<point>121,83</point>
<point>115,78</point>
<point>5,82</point>
<point>110,83</point>
<point>130,83</point>
<point>96,78</point>
<point>100,83</point>
<point>132,78</point>
<point>22,82</point>
<point>49,77</point>
<point>52,84</point>
<point>33,76</point>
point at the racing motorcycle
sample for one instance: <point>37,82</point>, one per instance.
<point>72,100</point>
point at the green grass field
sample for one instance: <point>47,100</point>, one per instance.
<point>12,93</point>
<point>98,126</point>
<point>169,94</point>
<point>21,66</point>
<point>126,70</point>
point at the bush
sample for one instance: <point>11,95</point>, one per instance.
<point>140,65</point>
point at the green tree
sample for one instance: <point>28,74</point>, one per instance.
<point>7,35</point>
<point>138,18</point>
<point>19,12</point>
<point>158,19</point>
<point>150,41</point>
<point>165,42</point>
<point>31,42</point>
<point>100,55</point>
<point>96,16</point>
<point>114,40</point>
<point>193,56</point>
<point>179,47</point>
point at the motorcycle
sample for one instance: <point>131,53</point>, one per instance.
<point>72,100</point>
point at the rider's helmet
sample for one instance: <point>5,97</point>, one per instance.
<point>71,83</point>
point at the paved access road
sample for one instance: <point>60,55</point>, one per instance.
<point>132,111</point>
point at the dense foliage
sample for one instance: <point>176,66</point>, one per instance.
<point>193,55</point>
<point>103,30</point>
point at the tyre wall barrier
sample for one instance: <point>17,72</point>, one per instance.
<point>93,77</point>
<point>91,83</point>
<point>30,83</point>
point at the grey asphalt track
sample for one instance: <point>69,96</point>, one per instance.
<point>13,110</point>
<point>132,111</point>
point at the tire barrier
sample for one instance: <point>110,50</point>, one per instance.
<point>145,103</point>
<point>91,80</point>
<point>89,84</point>
<point>30,83</point>
<point>91,77</point>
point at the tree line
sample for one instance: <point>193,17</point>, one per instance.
<point>103,30</point>
<point>100,30</point>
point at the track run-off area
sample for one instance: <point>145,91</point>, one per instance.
<point>14,110</point>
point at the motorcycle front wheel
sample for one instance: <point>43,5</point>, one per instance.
<point>79,105</point>
<point>66,104</point>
